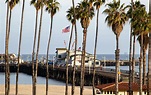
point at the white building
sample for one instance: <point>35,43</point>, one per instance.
<point>109,89</point>
<point>61,57</point>
<point>12,59</point>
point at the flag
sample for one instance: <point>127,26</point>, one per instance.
<point>66,29</point>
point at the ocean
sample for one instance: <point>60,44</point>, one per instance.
<point>27,79</point>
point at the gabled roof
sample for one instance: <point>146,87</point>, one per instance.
<point>123,86</point>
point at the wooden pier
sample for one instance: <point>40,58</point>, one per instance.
<point>59,73</point>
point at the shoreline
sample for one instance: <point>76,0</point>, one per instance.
<point>26,89</point>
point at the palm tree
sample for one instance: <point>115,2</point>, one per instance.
<point>70,17</point>
<point>149,56</point>
<point>37,7</point>
<point>132,8</point>
<point>10,5</point>
<point>135,5</point>
<point>6,53</point>
<point>74,66</point>
<point>41,4</point>
<point>19,47</point>
<point>52,7</point>
<point>116,18</point>
<point>145,46</point>
<point>98,4</point>
<point>85,14</point>
<point>131,57</point>
<point>140,24</point>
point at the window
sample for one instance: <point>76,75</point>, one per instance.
<point>110,92</point>
<point>105,92</point>
<point>113,92</point>
<point>86,61</point>
<point>97,63</point>
<point>59,56</point>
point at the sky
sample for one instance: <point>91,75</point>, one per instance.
<point>106,38</point>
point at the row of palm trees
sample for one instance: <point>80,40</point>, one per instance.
<point>52,6</point>
<point>84,11</point>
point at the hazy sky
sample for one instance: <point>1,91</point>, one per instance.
<point>106,38</point>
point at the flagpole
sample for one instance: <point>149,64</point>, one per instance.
<point>65,43</point>
<point>73,45</point>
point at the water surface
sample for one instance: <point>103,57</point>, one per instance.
<point>27,79</point>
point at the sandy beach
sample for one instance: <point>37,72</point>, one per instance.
<point>53,90</point>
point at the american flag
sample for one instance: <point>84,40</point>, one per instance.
<point>66,29</point>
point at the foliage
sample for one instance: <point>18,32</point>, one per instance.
<point>37,3</point>
<point>70,14</point>
<point>85,13</point>
<point>98,3</point>
<point>52,6</point>
<point>140,21</point>
<point>12,3</point>
<point>116,16</point>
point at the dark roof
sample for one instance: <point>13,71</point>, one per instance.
<point>123,86</point>
<point>61,48</point>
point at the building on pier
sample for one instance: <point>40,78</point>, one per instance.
<point>12,58</point>
<point>61,58</point>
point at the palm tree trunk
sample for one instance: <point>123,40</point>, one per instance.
<point>96,38</point>
<point>6,51</point>
<point>117,65</point>
<point>83,60</point>
<point>81,76</point>
<point>68,55</point>
<point>130,64</point>
<point>33,54</point>
<point>140,66</point>
<point>149,57</point>
<point>20,39</point>
<point>149,62</point>
<point>47,76</point>
<point>133,60</point>
<point>37,53</point>
<point>144,65</point>
<point>74,66</point>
